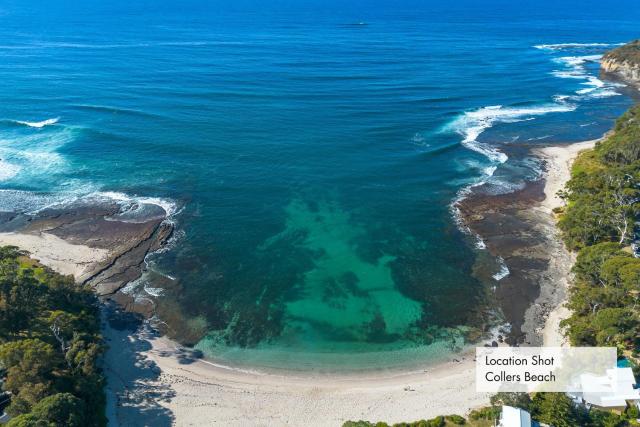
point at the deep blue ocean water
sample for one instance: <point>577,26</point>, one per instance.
<point>308,152</point>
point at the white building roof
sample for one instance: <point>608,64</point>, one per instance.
<point>514,417</point>
<point>618,384</point>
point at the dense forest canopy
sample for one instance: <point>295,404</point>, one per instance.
<point>49,346</point>
<point>599,219</point>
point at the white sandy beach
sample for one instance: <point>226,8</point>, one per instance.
<point>206,394</point>
<point>151,382</point>
<point>56,253</point>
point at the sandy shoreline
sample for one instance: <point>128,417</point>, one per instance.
<point>56,253</point>
<point>154,381</point>
<point>205,394</point>
<point>559,160</point>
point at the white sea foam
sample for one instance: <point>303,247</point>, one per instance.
<point>480,243</point>
<point>489,170</point>
<point>576,69</point>
<point>39,124</point>
<point>580,60</point>
<point>8,170</point>
<point>605,93</point>
<point>561,98</point>
<point>420,140</point>
<point>24,201</point>
<point>503,272</point>
<point>131,288</point>
<point>154,292</point>
<point>561,46</point>
<point>32,157</point>
<point>472,124</point>
<point>539,138</point>
<point>572,74</point>
<point>170,208</point>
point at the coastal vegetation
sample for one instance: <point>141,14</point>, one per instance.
<point>49,346</point>
<point>598,222</point>
<point>555,409</point>
<point>440,421</point>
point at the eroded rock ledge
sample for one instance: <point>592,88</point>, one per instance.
<point>125,241</point>
<point>518,234</point>
<point>624,63</point>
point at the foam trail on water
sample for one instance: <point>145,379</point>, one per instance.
<point>561,46</point>
<point>31,158</point>
<point>39,124</point>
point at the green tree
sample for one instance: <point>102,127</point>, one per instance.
<point>50,344</point>
<point>556,409</point>
<point>29,364</point>
<point>589,261</point>
<point>517,400</point>
<point>61,409</point>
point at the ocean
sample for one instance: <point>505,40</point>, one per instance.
<point>308,153</point>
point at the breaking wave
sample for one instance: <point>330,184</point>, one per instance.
<point>471,124</point>
<point>575,68</point>
<point>503,271</point>
<point>38,124</point>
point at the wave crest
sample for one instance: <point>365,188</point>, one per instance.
<point>575,68</point>
<point>472,124</point>
<point>38,125</point>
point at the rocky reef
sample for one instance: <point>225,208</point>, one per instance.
<point>126,240</point>
<point>519,236</point>
<point>623,63</point>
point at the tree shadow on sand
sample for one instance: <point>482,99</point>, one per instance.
<point>134,389</point>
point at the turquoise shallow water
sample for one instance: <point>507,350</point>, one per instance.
<point>308,152</point>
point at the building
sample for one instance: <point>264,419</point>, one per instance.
<point>620,386</point>
<point>514,417</point>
